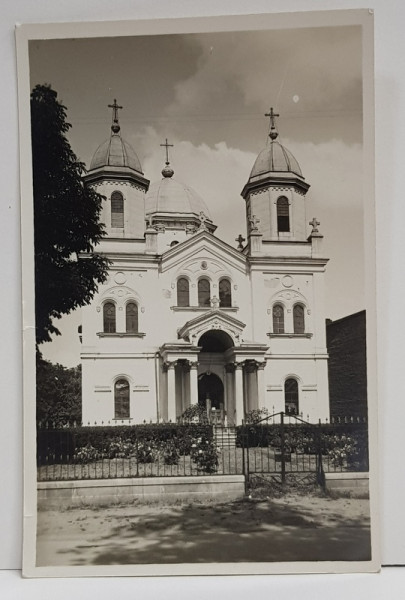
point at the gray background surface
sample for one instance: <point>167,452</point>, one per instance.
<point>390,207</point>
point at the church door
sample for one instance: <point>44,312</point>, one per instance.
<point>211,388</point>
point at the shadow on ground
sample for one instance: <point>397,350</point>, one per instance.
<point>241,531</point>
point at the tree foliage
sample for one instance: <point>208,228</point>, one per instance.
<point>59,393</point>
<point>66,218</point>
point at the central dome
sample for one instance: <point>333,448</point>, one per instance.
<point>116,152</point>
<point>274,158</point>
<point>168,196</point>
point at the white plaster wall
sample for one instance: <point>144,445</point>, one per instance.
<point>312,377</point>
<point>99,376</point>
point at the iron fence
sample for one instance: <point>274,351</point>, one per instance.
<point>278,444</point>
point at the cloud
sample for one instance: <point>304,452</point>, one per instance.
<point>247,71</point>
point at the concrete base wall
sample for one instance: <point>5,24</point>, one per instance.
<point>59,494</point>
<point>347,483</point>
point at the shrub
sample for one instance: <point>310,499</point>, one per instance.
<point>256,415</point>
<point>171,452</point>
<point>194,414</point>
<point>204,454</point>
<point>86,454</point>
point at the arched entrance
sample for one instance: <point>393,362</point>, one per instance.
<point>210,388</point>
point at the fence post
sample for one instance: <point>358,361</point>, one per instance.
<point>320,475</point>
<point>282,434</point>
<point>245,445</point>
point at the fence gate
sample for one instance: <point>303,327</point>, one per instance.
<point>282,444</point>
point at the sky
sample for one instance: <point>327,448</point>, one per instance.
<point>208,93</point>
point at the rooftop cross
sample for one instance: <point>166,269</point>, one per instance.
<point>273,131</point>
<point>314,223</point>
<point>167,146</point>
<point>115,126</point>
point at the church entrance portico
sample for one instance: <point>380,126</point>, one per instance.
<point>214,372</point>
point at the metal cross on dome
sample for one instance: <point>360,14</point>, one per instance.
<point>115,108</point>
<point>167,146</point>
<point>273,131</point>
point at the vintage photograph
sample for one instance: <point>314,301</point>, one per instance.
<point>202,310</point>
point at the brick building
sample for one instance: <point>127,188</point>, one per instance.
<point>347,365</point>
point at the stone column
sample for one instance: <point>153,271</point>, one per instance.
<point>261,389</point>
<point>171,392</point>
<point>240,413</point>
<point>229,395</point>
<point>193,383</point>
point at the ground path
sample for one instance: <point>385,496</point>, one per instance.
<point>290,528</point>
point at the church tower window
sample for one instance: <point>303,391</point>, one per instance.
<point>109,317</point>
<point>121,399</point>
<point>291,396</point>
<point>117,210</point>
<point>299,319</point>
<point>283,215</point>
<point>225,295</point>
<point>278,318</point>
<point>183,292</point>
<point>131,317</point>
<point>204,292</point>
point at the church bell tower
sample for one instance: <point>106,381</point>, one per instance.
<point>275,193</point>
<point>116,173</point>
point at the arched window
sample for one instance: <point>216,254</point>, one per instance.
<point>121,399</point>
<point>225,295</point>
<point>278,318</point>
<point>299,319</point>
<point>117,210</point>
<point>283,214</point>
<point>131,317</point>
<point>204,292</point>
<point>291,396</point>
<point>109,317</point>
<point>183,292</point>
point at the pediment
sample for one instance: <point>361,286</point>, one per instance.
<point>203,248</point>
<point>214,319</point>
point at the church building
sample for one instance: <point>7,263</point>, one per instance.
<point>184,318</point>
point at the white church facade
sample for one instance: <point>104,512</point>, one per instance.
<point>184,318</point>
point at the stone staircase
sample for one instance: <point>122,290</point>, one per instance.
<point>225,437</point>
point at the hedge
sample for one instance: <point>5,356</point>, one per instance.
<point>60,444</point>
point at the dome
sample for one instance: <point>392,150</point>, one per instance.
<point>116,152</point>
<point>275,159</point>
<point>170,196</point>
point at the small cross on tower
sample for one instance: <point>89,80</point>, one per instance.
<point>167,146</point>
<point>273,131</point>
<point>240,239</point>
<point>203,219</point>
<point>115,126</point>
<point>314,223</point>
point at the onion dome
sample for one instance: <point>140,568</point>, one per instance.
<point>275,158</point>
<point>115,158</point>
<point>116,152</point>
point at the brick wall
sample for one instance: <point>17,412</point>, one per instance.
<point>346,343</point>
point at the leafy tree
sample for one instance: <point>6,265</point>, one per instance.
<point>66,218</point>
<point>59,392</point>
